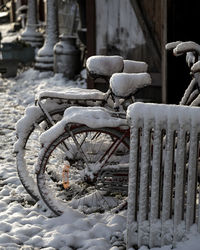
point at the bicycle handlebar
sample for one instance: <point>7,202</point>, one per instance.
<point>185,47</point>
<point>190,48</point>
<point>172,45</point>
<point>192,51</point>
<point>180,48</point>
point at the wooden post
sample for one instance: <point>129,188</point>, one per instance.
<point>152,43</point>
<point>163,50</point>
<point>91,34</point>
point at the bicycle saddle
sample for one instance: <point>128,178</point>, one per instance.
<point>126,84</point>
<point>131,66</point>
<point>104,66</point>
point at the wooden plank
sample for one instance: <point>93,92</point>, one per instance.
<point>163,50</point>
<point>150,39</point>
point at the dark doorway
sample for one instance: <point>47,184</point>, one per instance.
<point>182,25</point>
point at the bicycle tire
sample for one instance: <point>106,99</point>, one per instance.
<point>81,192</point>
<point>26,148</point>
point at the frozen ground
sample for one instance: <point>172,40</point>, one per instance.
<point>25,225</point>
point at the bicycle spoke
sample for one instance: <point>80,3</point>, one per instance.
<point>83,193</point>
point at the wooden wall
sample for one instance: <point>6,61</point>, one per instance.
<point>117,29</point>
<point>132,29</point>
<point>152,13</point>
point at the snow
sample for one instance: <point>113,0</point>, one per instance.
<point>172,45</point>
<point>188,46</point>
<point>131,66</point>
<point>196,67</point>
<point>74,93</point>
<point>104,65</point>
<point>8,36</point>
<point>158,117</point>
<point>93,117</point>
<point>22,222</point>
<point>190,58</point>
<point>187,115</point>
<point>26,225</point>
<point>124,84</point>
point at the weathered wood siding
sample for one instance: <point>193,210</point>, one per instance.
<point>117,29</point>
<point>153,14</point>
<point>132,29</point>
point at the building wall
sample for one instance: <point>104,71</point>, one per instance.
<point>117,29</point>
<point>153,14</point>
<point>119,32</point>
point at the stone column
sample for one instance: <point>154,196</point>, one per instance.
<point>30,34</point>
<point>45,56</point>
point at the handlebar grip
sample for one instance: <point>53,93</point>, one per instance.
<point>172,45</point>
<point>185,47</point>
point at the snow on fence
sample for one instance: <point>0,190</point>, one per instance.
<point>163,198</point>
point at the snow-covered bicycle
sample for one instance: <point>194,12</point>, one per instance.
<point>89,148</point>
<point>51,106</point>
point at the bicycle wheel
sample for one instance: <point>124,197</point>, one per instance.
<point>93,182</point>
<point>27,146</point>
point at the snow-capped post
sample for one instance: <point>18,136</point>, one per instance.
<point>31,35</point>
<point>45,57</point>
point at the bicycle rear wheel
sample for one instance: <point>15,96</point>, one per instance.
<point>80,176</point>
<point>27,145</point>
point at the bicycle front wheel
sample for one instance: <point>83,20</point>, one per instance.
<point>80,169</point>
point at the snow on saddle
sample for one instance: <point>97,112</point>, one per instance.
<point>126,84</point>
<point>131,66</point>
<point>104,66</point>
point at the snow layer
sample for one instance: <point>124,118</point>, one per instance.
<point>196,67</point>
<point>131,66</point>
<point>74,93</point>
<point>124,84</point>
<point>104,65</point>
<point>188,46</point>
<point>28,225</point>
<point>25,225</point>
<point>172,45</point>
<point>188,115</point>
<point>93,117</point>
<point>157,117</point>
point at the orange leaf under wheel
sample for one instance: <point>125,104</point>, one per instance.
<point>65,176</point>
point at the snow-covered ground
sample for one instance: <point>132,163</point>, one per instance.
<point>25,225</point>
